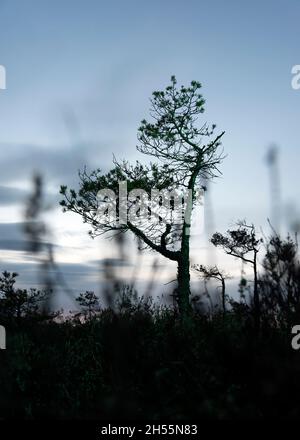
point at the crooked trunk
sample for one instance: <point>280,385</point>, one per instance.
<point>184,291</point>
<point>183,273</point>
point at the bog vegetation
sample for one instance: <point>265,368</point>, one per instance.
<point>137,360</point>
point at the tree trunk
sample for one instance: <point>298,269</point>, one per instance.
<point>183,273</point>
<point>256,295</point>
<point>223,297</point>
<point>183,293</point>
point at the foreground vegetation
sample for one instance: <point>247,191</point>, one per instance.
<point>142,364</point>
<point>138,360</point>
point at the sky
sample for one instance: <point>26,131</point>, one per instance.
<point>79,77</point>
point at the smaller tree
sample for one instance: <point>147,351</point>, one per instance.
<point>19,303</point>
<point>280,280</point>
<point>213,272</point>
<point>89,302</point>
<point>242,243</point>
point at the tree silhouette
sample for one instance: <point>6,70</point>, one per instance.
<point>240,243</point>
<point>20,303</point>
<point>185,152</point>
<point>89,301</point>
<point>213,272</point>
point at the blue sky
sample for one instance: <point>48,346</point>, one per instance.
<point>79,75</point>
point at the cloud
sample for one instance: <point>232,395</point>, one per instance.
<point>115,262</point>
<point>15,245</point>
<point>15,239</point>
<point>11,195</point>
<point>12,230</point>
<point>56,165</point>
